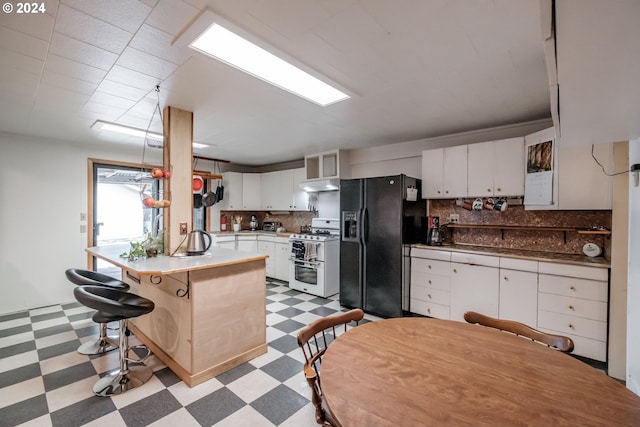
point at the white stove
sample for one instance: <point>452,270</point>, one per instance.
<point>315,258</point>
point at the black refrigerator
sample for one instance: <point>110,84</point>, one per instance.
<point>379,218</point>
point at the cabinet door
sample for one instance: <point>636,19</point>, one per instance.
<point>268,248</point>
<point>284,193</point>
<point>251,191</point>
<point>228,245</point>
<point>581,184</point>
<point>282,261</point>
<point>519,296</point>
<point>473,288</point>
<point>508,167</point>
<point>247,245</point>
<point>432,173</point>
<point>480,169</point>
<point>300,197</point>
<point>232,191</point>
<point>270,187</point>
<point>454,161</point>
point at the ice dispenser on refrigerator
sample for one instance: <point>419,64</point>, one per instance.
<point>350,226</point>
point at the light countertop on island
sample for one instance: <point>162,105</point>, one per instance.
<point>162,264</point>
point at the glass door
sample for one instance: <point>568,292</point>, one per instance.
<point>118,214</point>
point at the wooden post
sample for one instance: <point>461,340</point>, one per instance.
<point>178,155</point>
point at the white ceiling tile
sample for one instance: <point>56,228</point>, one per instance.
<point>105,112</point>
<point>68,67</point>
<point>145,109</point>
<point>158,43</point>
<point>146,64</point>
<point>121,90</point>
<point>126,14</point>
<point>36,25</point>
<point>16,82</point>
<point>172,16</point>
<point>25,44</point>
<point>57,96</point>
<point>84,53</point>
<point>112,101</point>
<point>88,29</point>
<point>69,83</point>
<point>132,78</point>
<point>21,62</point>
<point>150,3</point>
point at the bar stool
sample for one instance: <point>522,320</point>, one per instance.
<point>117,305</point>
<point>80,277</point>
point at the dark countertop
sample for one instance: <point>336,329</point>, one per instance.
<point>523,254</point>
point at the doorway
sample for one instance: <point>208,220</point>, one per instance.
<point>117,214</point>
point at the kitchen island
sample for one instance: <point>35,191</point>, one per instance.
<point>210,312</point>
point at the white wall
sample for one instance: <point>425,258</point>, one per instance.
<point>43,190</point>
<point>633,287</point>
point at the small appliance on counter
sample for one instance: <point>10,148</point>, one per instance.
<point>434,236</point>
<point>196,242</point>
<point>253,224</point>
<point>271,225</point>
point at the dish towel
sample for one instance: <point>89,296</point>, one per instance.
<point>310,253</point>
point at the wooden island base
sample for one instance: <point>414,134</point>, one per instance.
<point>210,312</point>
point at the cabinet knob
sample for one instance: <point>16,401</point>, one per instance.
<point>488,190</point>
<point>498,189</point>
<point>573,288</point>
<point>429,296</point>
<point>429,266</point>
<point>571,326</point>
<point>506,279</point>
<point>571,307</point>
<point>438,191</point>
<point>429,281</point>
<point>429,310</point>
<point>446,191</point>
<point>455,271</point>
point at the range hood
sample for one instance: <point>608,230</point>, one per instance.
<point>315,185</point>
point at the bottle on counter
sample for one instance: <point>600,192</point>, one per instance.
<point>223,222</point>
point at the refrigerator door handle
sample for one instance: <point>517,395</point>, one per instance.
<point>365,225</point>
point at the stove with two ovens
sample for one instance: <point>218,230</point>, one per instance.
<point>314,263</point>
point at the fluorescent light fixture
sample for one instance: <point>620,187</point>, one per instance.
<point>126,130</point>
<point>199,145</point>
<point>228,47</point>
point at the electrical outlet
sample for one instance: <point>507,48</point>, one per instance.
<point>454,218</point>
<point>183,228</point>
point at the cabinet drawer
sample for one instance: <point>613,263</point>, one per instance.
<point>431,281</point>
<point>429,309</point>
<point>571,325</point>
<point>557,269</point>
<point>593,349</point>
<point>430,266</point>
<point>588,309</point>
<point>431,254</point>
<point>519,264</point>
<point>473,259</point>
<point>266,247</point>
<point>430,295</point>
<point>573,287</point>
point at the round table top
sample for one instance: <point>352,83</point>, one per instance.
<point>431,372</point>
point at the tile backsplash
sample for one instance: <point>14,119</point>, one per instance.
<point>291,222</point>
<point>548,241</point>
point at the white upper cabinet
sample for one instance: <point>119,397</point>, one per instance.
<point>444,172</point>
<point>331,164</point>
<point>496,168</point>
<point>232,199</point>
<point>251,189</point>
<point>300,199</point>
<point>271,190</point>
<point>582,183</point>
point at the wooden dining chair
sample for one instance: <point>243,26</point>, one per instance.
<point>559,342</point>
<point>314,340</point>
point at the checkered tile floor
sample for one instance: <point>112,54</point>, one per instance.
<point>45,382</point>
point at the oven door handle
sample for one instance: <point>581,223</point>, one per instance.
<point>305,263</point>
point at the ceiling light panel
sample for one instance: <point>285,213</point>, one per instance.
<point>226,46</point>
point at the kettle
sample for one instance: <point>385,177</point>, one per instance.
<point>434,238</point>
<point>195,242</point>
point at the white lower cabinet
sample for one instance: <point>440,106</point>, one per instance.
<point>282,261</point>
<point>519,291</point>
<point>430,283</point>
<point>247,243</point>
<point>564,299</point>
<point>474,285</point>
<point>268,248</point>
<point>573,301</point>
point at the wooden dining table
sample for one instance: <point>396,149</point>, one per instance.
<point>429,372</point>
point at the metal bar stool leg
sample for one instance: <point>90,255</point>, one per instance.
<point>102,344</point>
<point>126,377</point>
